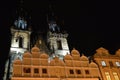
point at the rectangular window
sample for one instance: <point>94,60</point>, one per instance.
<point>27,70</point>
<point>44,70</point>
<point>78,71</point>
<point>107,76</point>
<point>87,72</point>
<point>111,64</point>
<point>71,72</point>
<point>36,70</point>
<point>103,63</point>
<point>115,76</point>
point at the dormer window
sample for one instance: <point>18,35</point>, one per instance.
<point>103,63</point>
<point>117,64</point>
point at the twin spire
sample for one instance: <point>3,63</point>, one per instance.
<point>51,19</point>
<point>22,23</point>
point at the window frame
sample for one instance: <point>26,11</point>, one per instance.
<point>44,70</point>
<point>27,70</point>
<point>71,71</point>
<point>78,71</point>
<point>87,72</point>
<point>117,63</point>
<point>59,45</point>
<point>36,70</point>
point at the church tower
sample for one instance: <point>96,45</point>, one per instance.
<point>20,32</point>
<point>56,38</point>
<point>20,41</point>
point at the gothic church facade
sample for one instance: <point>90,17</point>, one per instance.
<point>51,59</point>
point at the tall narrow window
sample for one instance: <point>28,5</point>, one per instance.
<point>115,76</point>
<point>20,42</point>
<point>103,63</point>
<point>111,64</point>
<point>107,76</point>
<point>59,45</point>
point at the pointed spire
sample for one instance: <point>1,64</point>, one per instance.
<point>51,10</point>
<point>51,20</point>
<point>47,18</point>
<point>51,16</point>
<point>20,22</point>
<point>21,8</point>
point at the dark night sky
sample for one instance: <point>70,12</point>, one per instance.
<point>89,24</point>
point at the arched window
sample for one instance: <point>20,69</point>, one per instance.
<point>20,42</point>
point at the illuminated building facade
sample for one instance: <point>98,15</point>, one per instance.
<point>55,45</point>
<point>34,63</point>
<point>109,65</point>
<point>51,59</point>
<point>35,66</point>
